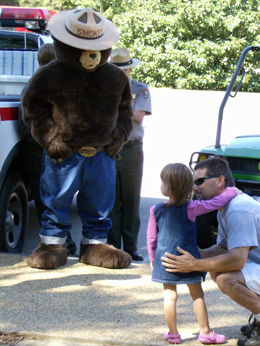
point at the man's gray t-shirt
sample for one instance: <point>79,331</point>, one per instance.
<point>239,226</point>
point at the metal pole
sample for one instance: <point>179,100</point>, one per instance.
<point>229,90</point>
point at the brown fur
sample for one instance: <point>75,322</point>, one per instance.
<point>48,256</point>
<point>104,255</point>
<point>69,106</point>
<point>70,56</point>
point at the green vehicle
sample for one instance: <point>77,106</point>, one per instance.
<point>243,152</point>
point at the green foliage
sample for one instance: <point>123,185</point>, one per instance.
<point>10,3</point>
<point>189,44</point>
<point>56,5</point>
<point>184,44</point>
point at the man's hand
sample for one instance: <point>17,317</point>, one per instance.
<point>183,264</point>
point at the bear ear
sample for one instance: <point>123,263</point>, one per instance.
<point>105,54</point>
<point>66,54</point>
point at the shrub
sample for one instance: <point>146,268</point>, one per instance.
<point>185,44</point>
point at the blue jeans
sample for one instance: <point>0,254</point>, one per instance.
<point>94,180</point>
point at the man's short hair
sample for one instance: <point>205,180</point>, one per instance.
<point>217,167</point>
<point>45,54</point>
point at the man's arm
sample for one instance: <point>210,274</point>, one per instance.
<point>233,260</point>
<point>212,251</point>
<point>139,116</point>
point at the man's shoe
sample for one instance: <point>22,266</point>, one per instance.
<point>253,339</point>
<point>135,256</point>
<point>246,329</point>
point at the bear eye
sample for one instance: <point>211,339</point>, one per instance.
<point>84,18</point>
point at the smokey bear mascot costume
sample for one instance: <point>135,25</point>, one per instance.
<point>79,110</point>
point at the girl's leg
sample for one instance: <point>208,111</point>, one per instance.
<point>200,309</point>
<point>170,301</point>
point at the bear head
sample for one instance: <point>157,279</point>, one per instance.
<point>83,60</point>
<point>83,38</point>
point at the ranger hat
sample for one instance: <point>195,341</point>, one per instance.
<point>84,29</point>
<point>121,58</point>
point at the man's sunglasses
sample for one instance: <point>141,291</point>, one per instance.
<point>200,181</point>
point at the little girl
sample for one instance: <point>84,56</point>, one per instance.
<point>172,224</point>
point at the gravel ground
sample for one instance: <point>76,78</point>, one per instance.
<point>91,305</point>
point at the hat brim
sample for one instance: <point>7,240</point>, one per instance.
<point>135,63</point>
<point>58,29</point>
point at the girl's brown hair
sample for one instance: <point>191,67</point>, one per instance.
<point>178,181</point>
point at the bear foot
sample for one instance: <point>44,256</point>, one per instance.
<point>104,255</point>
<point>47,256</point>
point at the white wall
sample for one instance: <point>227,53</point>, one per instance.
<point>184,121</point>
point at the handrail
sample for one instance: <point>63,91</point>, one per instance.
<point>229,90</point>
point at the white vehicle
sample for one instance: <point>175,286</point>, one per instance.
<point>18,61</point>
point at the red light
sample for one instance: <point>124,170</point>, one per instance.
<point>24,13</point>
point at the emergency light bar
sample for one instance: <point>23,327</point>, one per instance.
<point>25,17</point>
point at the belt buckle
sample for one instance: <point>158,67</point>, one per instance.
<point>88,151</point>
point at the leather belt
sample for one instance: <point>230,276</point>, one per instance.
<point>88,151</point>
<point>133,142</point>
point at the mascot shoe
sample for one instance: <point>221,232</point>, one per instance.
<point>104,255</point>
<point>47,256</point>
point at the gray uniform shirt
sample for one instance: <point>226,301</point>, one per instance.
<point>239,226</point>
<point>141,102</point>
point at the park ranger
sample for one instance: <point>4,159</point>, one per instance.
<point>129,169</point>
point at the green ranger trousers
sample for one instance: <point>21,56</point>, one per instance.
<point>125,213</point>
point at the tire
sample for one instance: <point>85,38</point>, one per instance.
<point>13,213</point>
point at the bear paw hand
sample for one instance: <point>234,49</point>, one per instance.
<point>58,151</point>
<point>119,138</point>
<point>113,148</point>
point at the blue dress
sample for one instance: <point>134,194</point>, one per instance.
<point>175,229</point>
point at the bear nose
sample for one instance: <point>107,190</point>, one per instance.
<point>92,56</point>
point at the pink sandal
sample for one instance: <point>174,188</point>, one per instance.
<point>172,338</point>
<point>212,339</point>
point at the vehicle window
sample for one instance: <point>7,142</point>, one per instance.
<point>17,42</point>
